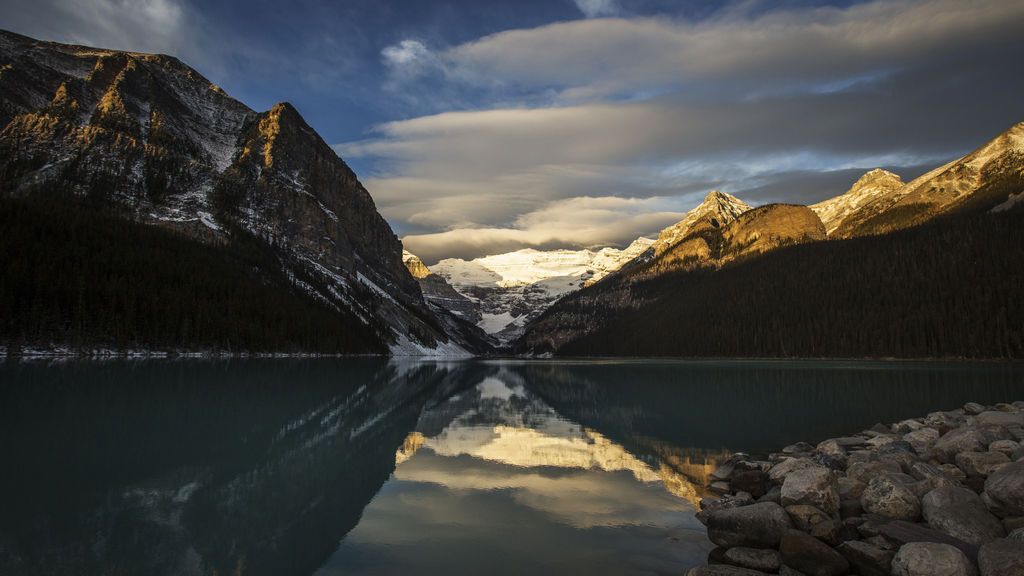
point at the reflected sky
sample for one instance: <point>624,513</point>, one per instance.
<point>509,486</point>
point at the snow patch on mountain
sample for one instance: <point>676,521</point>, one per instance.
<point>871,186</point>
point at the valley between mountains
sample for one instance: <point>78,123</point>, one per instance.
<point>143,208</point>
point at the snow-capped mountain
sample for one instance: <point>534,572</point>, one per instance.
<point>872,186</point>
<point>511,289</point>
<point>149,136</point>
<point>718,207</point>
<point>986,179</point>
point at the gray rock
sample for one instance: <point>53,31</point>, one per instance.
<point>1011,523</point>
<point>754,558</point>
<point>833,532</point>
<point>944,421</point>
<point>1005,487</point>
<point>931,559</point>
<point>866,560</point>
<point>961,514</point>
<point>900,532</point>
<point>754,482</point>
<point>1017,535</point>
<point>709,505</point>
<point>787,571</point>
<point>850,489</point>
<point>756,526</point>
<point>774,494</point>
<point>973,408</point>
<point>811,556</point>
<point>890,498</point>
<point>866,471</point>
<point>798,448</point>
<point>1007,447</point>
<point>905,426</point>
<point>1002,558</point>
<point>805,516</point>
<point>779,472</point>
<point>999,418</point>
<point>723,570</point>
<point>960,440</point>
<point>981,463</point>
<point>816,487</point>
<point>922,439</point>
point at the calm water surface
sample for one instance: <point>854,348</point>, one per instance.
<point>331,467</point>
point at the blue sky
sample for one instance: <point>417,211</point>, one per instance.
<point>481,127</point>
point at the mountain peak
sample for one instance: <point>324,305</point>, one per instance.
<point>718,207</point>
<point>876,177</point>
<point>415,266</point>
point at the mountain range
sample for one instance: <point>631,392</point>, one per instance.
<point>144,208</point>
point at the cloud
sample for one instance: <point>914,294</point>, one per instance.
<point>664,110</point>
<point>597,8</point>
<point>570,223</point>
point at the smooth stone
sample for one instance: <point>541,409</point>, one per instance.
<point>999,418</point>
<point>811,556</point>
<point>890,498</point>
<point>960,440</point>
<point>805,516</point>
<point>866,559</point>
<point>723,472</point>
<point>866,471</point>
<point>953,471</point>
<point>723,570</point>
<point>1002,558</point>
<point>774,494</point>
<point>754,558</point>
<point>882,542</point>
<point>931,559</point>
<point>902,532</point>
<point>1005,487</point>
<point>961,514</point>
<point>779,472</point>
<point>798,448</point>
<point>709,505</point>
<point>1007,447</point>
<point>981,463</point>
<point>973,408</point>
<point>922,438</point>
<point>905,426</point>
<point>755,526</point>
<point>816,487</point>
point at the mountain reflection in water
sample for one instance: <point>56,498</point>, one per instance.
<point>373,467</point>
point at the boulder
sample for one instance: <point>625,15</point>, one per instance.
<point>999,418</point>
<point>973,408</point>
<point>1005,487</point>
<point>754,558</point>
<point>960,440</point>
<point>759,525</point>
<point>850,489</point>
<point>779,472</point>
<point>1017,535</point>
<point>1007,447</point>
<point>922,439</point>
<point>811,556</point>
<point>866,471</point>
<point>901,532</point>
<point>981,463</point>
<point>1002,558</point>
<point>816,487</point>
<point>805,516</point>
<point>961,514</point>
<point>931,559</point>
<point>890,498</point>
<point>833,532</point>
<point>866,560</point>
<point>709,505</point>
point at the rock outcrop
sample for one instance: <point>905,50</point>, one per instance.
<point>902,510</point>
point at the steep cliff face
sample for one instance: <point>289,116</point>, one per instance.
<point>150,136</point>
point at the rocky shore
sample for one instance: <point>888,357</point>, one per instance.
<point>936,496</point>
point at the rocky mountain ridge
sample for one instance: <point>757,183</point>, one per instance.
<point>150,137</point>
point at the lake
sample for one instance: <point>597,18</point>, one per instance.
<point>331,467</point>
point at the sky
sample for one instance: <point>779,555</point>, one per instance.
<point>484,127</point>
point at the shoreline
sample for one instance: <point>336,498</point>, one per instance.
<point>939,494</point>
